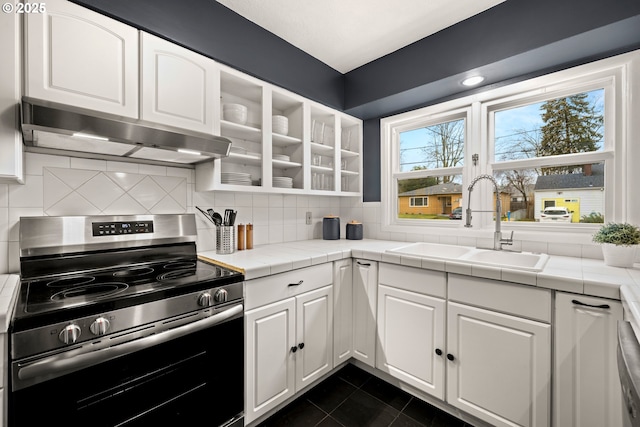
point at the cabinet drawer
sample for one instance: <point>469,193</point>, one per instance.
<point>413,279</point>
<point>269,289</point>
<point>518,300</point>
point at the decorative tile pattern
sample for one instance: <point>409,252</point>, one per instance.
<point>90,192</point>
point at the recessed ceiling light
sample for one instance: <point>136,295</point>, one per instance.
<point>472,81</point>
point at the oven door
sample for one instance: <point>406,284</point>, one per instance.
<point>194,379</point>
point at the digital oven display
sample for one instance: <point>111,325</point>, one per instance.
<point>116,228</point>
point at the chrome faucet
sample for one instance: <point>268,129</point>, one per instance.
<point>498,241</point>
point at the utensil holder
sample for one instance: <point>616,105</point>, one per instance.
<point>225,239</point>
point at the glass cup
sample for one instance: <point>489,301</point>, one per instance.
<point>346,139</point>
<point>317,132</point>
<point>316,159</point>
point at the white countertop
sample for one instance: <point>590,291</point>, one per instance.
<point>8,293</point>
<point>577,275</point>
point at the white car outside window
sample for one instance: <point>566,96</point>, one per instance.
<point>555,214</point>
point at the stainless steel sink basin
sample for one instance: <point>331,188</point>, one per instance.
<point>502,259</point>
<point>517,260</point>
<point>433,250</point>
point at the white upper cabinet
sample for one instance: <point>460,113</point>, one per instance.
<point>177,85</point>
<point>79,57</point>
<point>11,167</point>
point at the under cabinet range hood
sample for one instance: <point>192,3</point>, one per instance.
<point>51,125</point>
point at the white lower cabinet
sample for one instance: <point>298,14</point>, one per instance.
<point>342,311</point>
<point>411,326</point>
<point>586,383</point>
<point>411,330</point>
<point>270,365</point>
<point>498,366</point>
<point>488,342</point>
<point>289,342</point>
<point>499,351</point>
<point>365,284</point>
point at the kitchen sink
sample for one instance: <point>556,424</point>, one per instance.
<point>502,259</point>
<point>433,250</point>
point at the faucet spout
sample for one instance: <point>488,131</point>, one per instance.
<point>498,241</point>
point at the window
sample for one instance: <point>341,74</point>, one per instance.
<point>419,201</point>
<point>550,136</point>
<point>552,141</point>
<point>430,155</point>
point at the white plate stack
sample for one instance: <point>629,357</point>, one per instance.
<point>280,124</point>
<point>282,182</point>
<point>282,157</point>
<point>236,113</point>
<point>236,178</point>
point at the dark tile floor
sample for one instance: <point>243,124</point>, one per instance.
<point>354,398</point>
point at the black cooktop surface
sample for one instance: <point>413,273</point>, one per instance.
<point>65,296</point>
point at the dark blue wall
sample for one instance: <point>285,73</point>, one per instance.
<point>515,40</point>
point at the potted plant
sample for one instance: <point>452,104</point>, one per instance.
<point>619,243</point>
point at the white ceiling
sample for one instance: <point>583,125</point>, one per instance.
<point>346,34</point>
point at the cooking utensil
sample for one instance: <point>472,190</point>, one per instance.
<point>227,216</point>
<point>217,218</point>
<point>207,215</point>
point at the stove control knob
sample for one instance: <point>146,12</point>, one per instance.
<point>70,334</point>
<point>204,300</point>
<point>100,326</point>
<point>221,295</point>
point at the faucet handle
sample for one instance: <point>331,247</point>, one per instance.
<point>468,218</point>
<point>508,241</point>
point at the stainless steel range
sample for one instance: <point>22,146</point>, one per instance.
<point>119,323</point>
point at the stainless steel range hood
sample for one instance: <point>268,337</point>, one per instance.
<point>52,125</point>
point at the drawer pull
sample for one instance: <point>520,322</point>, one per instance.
<point>450,357</point>
<point>366,264</point>
<point>604,306</point>
<point>296,284</point>
<point>438,352</point>
<point>294,349</point>
<point>301,345</point>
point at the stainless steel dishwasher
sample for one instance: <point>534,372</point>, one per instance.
<point>629,369</point>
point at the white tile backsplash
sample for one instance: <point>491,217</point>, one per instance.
<point>60,185</point>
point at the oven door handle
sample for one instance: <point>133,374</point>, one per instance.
<point>62,362</point>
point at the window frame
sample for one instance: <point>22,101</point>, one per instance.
<point>612,74</point>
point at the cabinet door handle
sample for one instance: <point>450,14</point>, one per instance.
<point>604,306</point>
<point>366,264</point>
<point>450,357</point>
<point>294,349</point>
<point>438,352</point>
<point>296,284</point>
<point>301,345</point>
